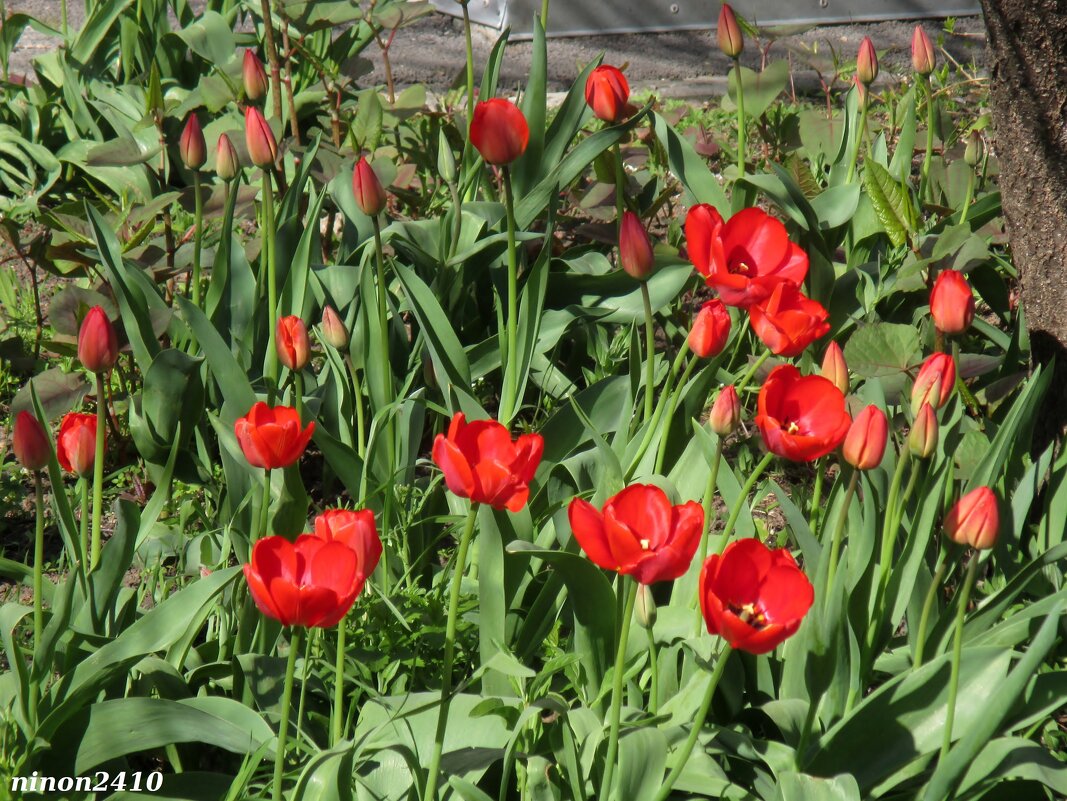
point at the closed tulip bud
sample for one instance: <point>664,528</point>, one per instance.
<point>711,329</point>
<point>30,442</point>
<point>254,77</point>
<point>294,348</point>
<point>76,443</point>
<point>635,248</point>
<point>922,439</point>
<point>262,147</point>
<point>193,148</point>
<point>98,346</point>
<point>834,367</point>
<point>731,41</point>
<point>923,59</point>
<point>607,93</point>
<point>952,302</point>
<point>499,131</point>
<point>864,443</point>
<point>867,62</point>
<point>725,412</point>
<point>975,150</point>
<point>645,607</point>
<point>333,329</point>
<point>369,192</point>
<point>974,520</point>
<point>446,159</point>
<point>934,383</point>
<point>227,164</point>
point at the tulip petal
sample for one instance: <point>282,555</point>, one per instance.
<point>786,595</point>
<point>260,594</point>
<point>757,239</point>
<point>454,465</point>
<point>587,526</point>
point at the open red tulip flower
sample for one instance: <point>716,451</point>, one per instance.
<point>607,93</point>
<point>743,258</point>
<point>76,443</point>
<point>357,530</point>
<point>801,417</point>
<point>788,321</point>
<point>481,462</point>
<point>754,597</point>
<point>312,582</point>
<point>952,302</point>
<point>272,437</point>
<point>639,533</point>
<point>499,131</point>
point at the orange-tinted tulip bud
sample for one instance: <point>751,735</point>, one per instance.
<point>635,248</point>
<point>499,131</point>
<point>952,302</point>
<point>935,382</point>
<point>292,342</point>
<point>193,148</point>
<point>607,93</point>
<point>333,329</point>
<point>731,41</point>
<point>922,439</point>
<point>923,58</point>
<point>864,444</point>
<point>227,163</point>
<point>369,192</point>
<point>975,519</point>
<point>254,76</point>
<point>76,443</point>
<point>834,368</point>
<point>30,442</point>
<point>710,330</point>
<point>725,412</point>
<point>98,346</point>
<point>259,138</point>
<point>867,62</point>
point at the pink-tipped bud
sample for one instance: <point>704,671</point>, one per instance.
<point>834,368</point>
<point>254,77</point>
<point>923,58</point>
<point>193,148</point>
<point>725,412</point>
<point>867,62</point>
<point>98,346</point>
<point>710,330</point>
<point>227,163</point>
<point>30,442</point>
<point>635,248</point>
<point>864,443</point>
<point>922,439</point>
<point>369,192</point>
<point>262,147</point>
<point>333,329</point>
<point>934,383</point>
<point>952,302</point>
<point>731,41</point>
<point>975,519</point>
<point>291,340</point>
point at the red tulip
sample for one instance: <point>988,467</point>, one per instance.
<point>259,138</point>
<point>499,131</point>
<point>98,346</point>
<point>607,93</point>
<point>867,62</point>
<point>227,163</point>
<point>639,533</point>
<point>753,597</point>
<point>801,418</point>
<point>333,329</point>
<point>934,383</point>
<point>788,321</point>
<point>711,330</point>
<point>370,195</point>
<point>312,582</point>
<point>635,248</point>
<point>76,443</point>
<point>834,367</point>
<point>193,148</point>
<point>922,439</point>
<point>725,412</point>
<point>291,341</point>
<point>481,462</point>
<point>923,58</point>
<point>30,442</point>
<point>744,257</point>
<point>974,520</point>
<point>254,77</point>
<point>864,444</point>
<point>952,302</point>
<point>272,437</point>
<point>731,42</point>
<point>357,530</point>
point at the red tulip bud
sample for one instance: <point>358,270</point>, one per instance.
<point>76,443</point>
<point>834,368</point>
<point>227,164</point>
<point>974,520</point>
<point>193,148</point>
<point>255,77</point>
<point>711,329</point>
<point>922,52</point>
<point>952,302</point>
<point>499,131</point>
<point>731,41</point>
<point>292,343</point>
<point>725,412</point>
<point>864,443</point>
<point>370,195</point>
<point>635,248</point>
<point>333,329</point>
<point>867,62</point>
<point>98,347</point>
<point>262,147</point>
<point>607,93</point>
<point>935,382</point>
<point>922,439</point>
<point>30,444</point>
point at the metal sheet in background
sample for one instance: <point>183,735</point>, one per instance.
<point>590,17</point>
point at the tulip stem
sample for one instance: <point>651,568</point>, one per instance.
<point>338,718</point>
<point>967,198</point>
<point>892,524</point>
<point>742,499</point>
<point>957,651</point>
<point>859,138</point>
<point>510,401</point>
<point>98,469</point>
<point>650,347</point>
<point>298,395</point>
<point>651,429</point>
<point>924,180</point>
<point>698,723</point>
<point>357,401</point>
<point>709,498</point>
<point>620,186</point>
<point>287,700</point>
<point>83,524</point>
<point>198,235</point>
<point>816,496</point>
<point>264,508</point>
<point>387,382</point>
<point>752,371</point>
<point>449,656</point>
<point>653,663</point>
<point>617,689</point>
<point>672,396</point>
<point>470,68</point>
<point>544,14</point>
<point>38,583</point>
<point>839,532</point>
<point>272,283</point>
<point>928,605</point>
<point>741,131</point>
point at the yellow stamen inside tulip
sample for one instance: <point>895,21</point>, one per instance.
<point>644,545</point>
<point>791,427</point>
<point>751,615</point>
